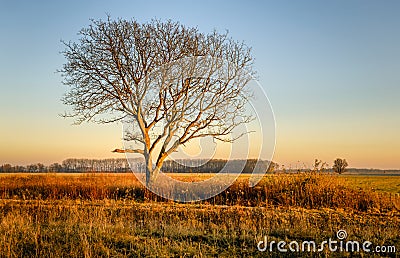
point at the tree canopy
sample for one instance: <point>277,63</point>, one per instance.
<point>339,165</point>
<point>172,83</point>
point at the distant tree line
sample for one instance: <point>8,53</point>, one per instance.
<point>217,165</point>
<point>72,165</point>
<point>122,165</point>
<point>185,166</point>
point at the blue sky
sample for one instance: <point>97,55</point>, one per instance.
<point>330,69</point>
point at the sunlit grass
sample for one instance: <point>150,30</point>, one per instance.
<point>390,184</point>
<point>117,228</point>
<point>306,190</point>
<point>92,215</point>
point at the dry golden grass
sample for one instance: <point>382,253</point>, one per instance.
<point>306,190</point>
<point>106,215</point>
<point>122,229</point>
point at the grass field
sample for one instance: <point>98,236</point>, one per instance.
<point>389,184</point>
<point>108,215</point>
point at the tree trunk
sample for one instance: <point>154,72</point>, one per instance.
<point>149,169</point>
<point>154,174</point>
<point>151,175</point>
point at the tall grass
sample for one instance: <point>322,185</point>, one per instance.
<point>64,228</point>
<point>111,215</point>
<point>307,190</point>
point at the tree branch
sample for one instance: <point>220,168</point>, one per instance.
<point>139,151</point>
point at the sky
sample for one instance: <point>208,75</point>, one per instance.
<point>329,68</point>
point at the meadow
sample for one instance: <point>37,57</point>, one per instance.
<point>111,215</point>
<point>389,184</point>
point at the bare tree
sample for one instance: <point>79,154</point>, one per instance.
<point>339,165</point>
<point>172,83</point>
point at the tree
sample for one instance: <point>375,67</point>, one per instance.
<point>41,167</point>
<point>162,77</point>
<point>55,167</point>
<point>339,165</point>
<point>6,168</point>
<point>32,168</point>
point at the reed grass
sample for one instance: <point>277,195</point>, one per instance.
<point>306,190</point>
<point>107,215</point>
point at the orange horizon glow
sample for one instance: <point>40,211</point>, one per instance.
<point>97,141</point>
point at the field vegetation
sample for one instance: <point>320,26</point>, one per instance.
<point>111,215</point>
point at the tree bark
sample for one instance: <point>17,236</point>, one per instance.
<point>149,169</point>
